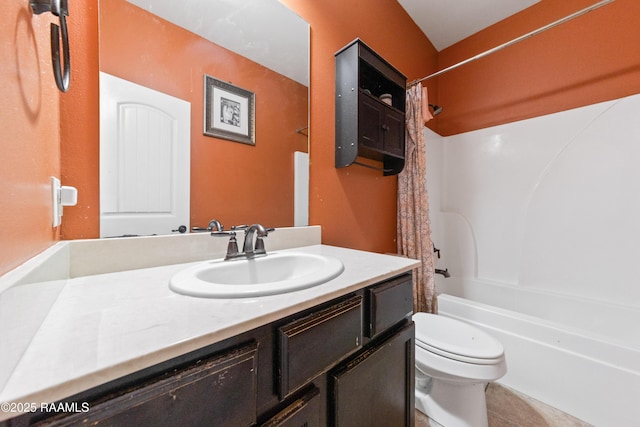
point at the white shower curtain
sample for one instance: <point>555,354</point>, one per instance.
<point>414,231</point>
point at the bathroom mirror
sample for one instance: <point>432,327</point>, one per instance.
<point>258,45</point>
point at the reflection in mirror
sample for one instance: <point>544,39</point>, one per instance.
<point>232,182</point>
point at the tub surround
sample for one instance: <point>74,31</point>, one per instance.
<point>539,218</point>
<point>87,312</point>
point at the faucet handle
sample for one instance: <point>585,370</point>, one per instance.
<point>259,247</point>
<point>232,247</point>
<point>242,227</point>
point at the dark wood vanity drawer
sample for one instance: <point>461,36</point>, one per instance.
<point>221,388</point>
<point>313,343</point>
<point>304,411</point>
<point>388,303</point>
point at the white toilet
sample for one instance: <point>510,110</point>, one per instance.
<point>454,363</point>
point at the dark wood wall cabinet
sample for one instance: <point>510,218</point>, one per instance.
<point>348,363</point>
<point>370,109</point>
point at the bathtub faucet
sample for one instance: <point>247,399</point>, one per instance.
<point>444,272</point>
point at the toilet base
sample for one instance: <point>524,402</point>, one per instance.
<point>454,404</point>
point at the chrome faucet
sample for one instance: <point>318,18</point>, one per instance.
<point>257,230</point>
<point>249,250</point>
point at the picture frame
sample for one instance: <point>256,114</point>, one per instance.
<point>229,111</point>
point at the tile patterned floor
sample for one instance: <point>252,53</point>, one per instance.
<point>508,408</point>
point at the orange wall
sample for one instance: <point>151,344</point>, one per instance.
<point>355,206</point>
<point>232,182</point>
<point>79,127</point>
<point>30,142</point>
<point>593,58</point>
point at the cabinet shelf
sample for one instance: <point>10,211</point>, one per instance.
<point>366,125</point>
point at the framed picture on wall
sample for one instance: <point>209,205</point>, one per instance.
<point>229,111</point>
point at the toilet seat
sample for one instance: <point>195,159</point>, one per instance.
<point>456,340</point>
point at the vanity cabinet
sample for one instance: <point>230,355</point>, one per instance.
<point>348,362</point>
<point>370,109</point>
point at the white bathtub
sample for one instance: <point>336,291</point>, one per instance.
<point>580,356</point>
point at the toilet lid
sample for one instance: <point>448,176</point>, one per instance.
<point>455,339</point>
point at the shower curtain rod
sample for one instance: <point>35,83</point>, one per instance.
<point>514,41</point>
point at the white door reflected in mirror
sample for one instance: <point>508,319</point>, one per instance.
<point>144,160</point>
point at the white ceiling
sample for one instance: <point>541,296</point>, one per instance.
<point>446,22</point>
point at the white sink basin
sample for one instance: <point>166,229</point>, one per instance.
<point>275,273</point>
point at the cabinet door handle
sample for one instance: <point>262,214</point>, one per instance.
<point>385,127</point>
